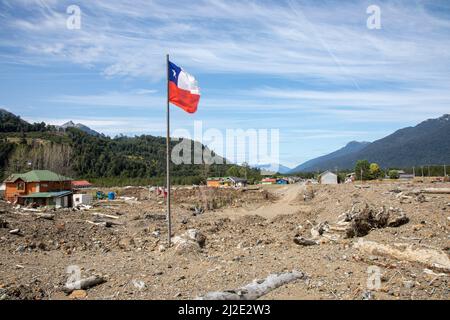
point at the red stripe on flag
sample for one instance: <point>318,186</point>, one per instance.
<point>183,98</point>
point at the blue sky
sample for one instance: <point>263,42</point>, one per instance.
<point>311,69</point>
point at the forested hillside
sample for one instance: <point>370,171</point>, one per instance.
<point>110,161</point>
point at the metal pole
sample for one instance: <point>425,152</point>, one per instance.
<point>445,171</point>
<point>169,224</point>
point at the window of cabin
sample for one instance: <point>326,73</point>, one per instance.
<point>21,186</point>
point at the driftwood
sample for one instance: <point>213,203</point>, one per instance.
<point>48,216</point>
<point>106,224</point>
<point>83,284</point>
<point>433,259</point>
<point>102,215</point>
<point>436,190</point>
<point>304,242</point>
<point>256,289</point>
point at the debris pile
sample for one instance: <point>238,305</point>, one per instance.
<point>359,221</point>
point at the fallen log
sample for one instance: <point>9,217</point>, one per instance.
<point>14,231</point>
<point>102,215</point>
<point>106,224</point>
<point>436,190</point>
<point>83,284</point>
<point>255,289</point>
<point>304,242</point>
<point>47,216</point>
<point>433,259</point>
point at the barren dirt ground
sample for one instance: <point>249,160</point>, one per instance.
<point>249,235</point>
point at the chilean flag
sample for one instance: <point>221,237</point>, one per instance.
<point>183,89</point>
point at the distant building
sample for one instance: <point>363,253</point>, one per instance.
<point>268,181</point>
<point>282,181</point>
<point>328,177</point>
<point>350,177</point>
<point>214,182</point>
<point>405,176</point>
<point>237,182</point>
<point>79,199</point>
<point>226,182</point>
<point>39,187</point>
<point>81,184</point>
<point>2,190</point>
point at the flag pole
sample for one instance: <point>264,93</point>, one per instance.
<point>169,225</point>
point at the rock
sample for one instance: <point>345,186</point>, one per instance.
<point>408,284</point>
<point>304,242</point>
<point>367,295</point>
<point>126,243</point>
<point>78,294</point>
<point>319,230</point>
<point>139,284</point>
<point>197,236</point>
<point>3,223</point>
<point>185,246</point>
<point>14,231</point>
<point>189,242</point>
<point>156,233</point>
<point>421,198</point>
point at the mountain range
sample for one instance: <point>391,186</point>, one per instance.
<point>427,143</point>
<point>272,168</point>
<point>79,126</point>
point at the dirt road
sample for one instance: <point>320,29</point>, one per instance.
<point>288,202</point>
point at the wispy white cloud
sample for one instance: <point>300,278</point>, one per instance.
<point>350,75</point>
<point>311,39</point>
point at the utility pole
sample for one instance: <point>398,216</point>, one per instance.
<point>445,171</point>
<point>414,171</point>
<point>421,167</point>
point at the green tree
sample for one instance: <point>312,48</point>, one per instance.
<point>362,167</point>
<point>234,171</point>
<point>375,170</point>
<point>393,174</point>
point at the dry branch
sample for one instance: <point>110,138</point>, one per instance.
<point>83,284</point>
<point>433,259</point>
<point>255,289</point>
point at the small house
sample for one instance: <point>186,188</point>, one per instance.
<point>79,199</point>
<point>214,182</point>
<point>237,182</point>
<point>39,187</point>
<point>2,190</point>
<point>328,177</point>
<point>405,176</point>
<point>268,181</point>
<point>81,184</point>
<point>349,178</point>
